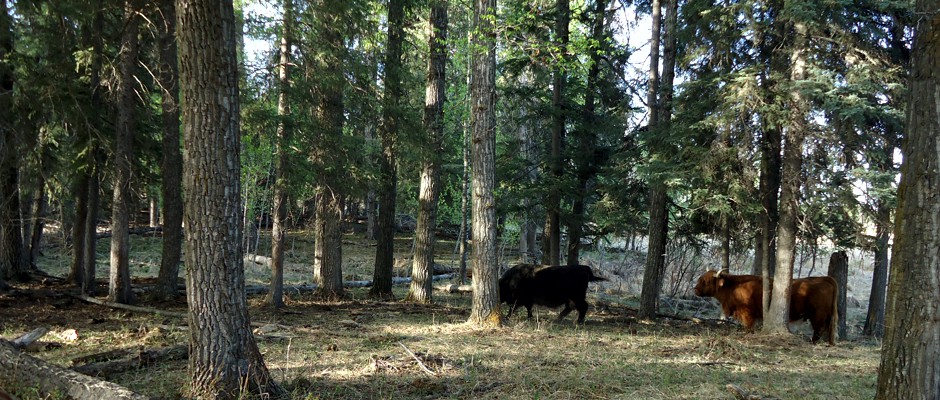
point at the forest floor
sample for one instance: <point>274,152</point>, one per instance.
<point>359,348</point>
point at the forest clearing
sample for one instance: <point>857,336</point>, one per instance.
<point>274,199</point>
<point>361,348</point>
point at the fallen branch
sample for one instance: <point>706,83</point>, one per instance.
<point>298,289</point>
<point>102,356</point>
<point>128,307</point>
<point>140,359</point>
<point>452,288</point>
<point>420,363</point>
<point>21,370</point>
<point>24,341</point>
<point>133,231</point>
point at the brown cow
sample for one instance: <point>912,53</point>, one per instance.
<point>812,299</point>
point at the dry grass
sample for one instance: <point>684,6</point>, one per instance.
<point>364,349</point>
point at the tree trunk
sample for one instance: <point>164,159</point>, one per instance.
<point>328,245</point>
<point>485,309</point>
<point>119,286</point>
<point>90,241</point>
<point>528,245</point>
<point>875,318</point>
<point>776,319</point>
<point>385,248</point>
<point>552,242</point>
<point>11,240</point>
<point>224,358</point>
<point>420,290</point>
<point>839,270</point>
<point>585,158</point>
<point>464,206</point>
<point>659,98</point>
<point>910,356</point>
<point>172,163</point>
<point>770,148</point>
<point>77,270</point>
<point>275,296</point>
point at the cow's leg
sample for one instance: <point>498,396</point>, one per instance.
<point>564,313</point>
<point>528,308</point>
<point>512,307</point>
<point>582,307</point>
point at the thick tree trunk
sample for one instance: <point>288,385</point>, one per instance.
<point>172,163</point>
<point>910,356</point>
<point>275,295</point>
<point>224,359</point>
<point>839,270</point>
<point>119,285</point>
<point>328,245</point>
<point>485,309</point>
<point>420,290</point>
<point>552,243</point>
<point>776,319</point>
<point>385,248</point>
<point>875,317</point>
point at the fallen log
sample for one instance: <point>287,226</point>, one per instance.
<point>134,360</point>
<point>452,288</point>
<point>133,231</point>
<point>24,341</point>
<point>20,370</point>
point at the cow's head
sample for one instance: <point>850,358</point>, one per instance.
<point>709,283</point>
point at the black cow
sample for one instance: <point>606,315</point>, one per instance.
<point>527,285</point>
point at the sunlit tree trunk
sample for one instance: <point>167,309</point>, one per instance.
<point>275,296</point>
<point>776,319</point>
<point>224,360</point>
<point>422,270</point>
<point>119,284</point>
<point>910,355</point>
<point>172,163</point>
<point>388,131</point>
<point>485,310</point>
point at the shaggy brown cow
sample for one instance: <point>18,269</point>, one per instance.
<point>527,285</point>
<point>812,298</point>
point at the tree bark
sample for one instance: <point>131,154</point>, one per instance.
<point>839,270</point>
<point>420,290</point>
<point>80,189</point>
<point>90,241</point>
<point>11,240</point>
<point>910,356</point>
<point>275,295</point>
<point>388,131</point>
<point>172,162</point>
<point>224,358</point>
<point>328,244</point>
<point>875,317</point>
<point>485,309</point>
<point>776,319</point>
<point>552,243</point>
<point>119,285</point>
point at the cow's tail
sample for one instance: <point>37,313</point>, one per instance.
<point>834,316</point>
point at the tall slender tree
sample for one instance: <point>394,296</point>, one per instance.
<point>420,290</point>
<point>485,310</point>
<point>552,241</point>
<point>275,296</point>
<point>776,319</point>
<point>910,355</point>
<point>119,287</point>
<point>388,131</point>
<point>172,163</point>
<point>224,360</point>
<point>659,99</point>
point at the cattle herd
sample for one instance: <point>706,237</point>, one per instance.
<point>813,298</point>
